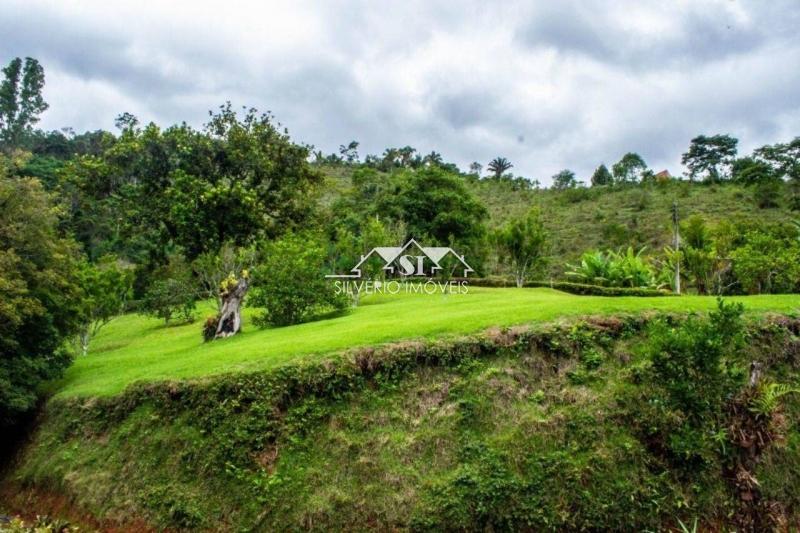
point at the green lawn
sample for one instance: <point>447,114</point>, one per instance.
<point>134,348</point>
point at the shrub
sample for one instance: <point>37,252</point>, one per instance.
<point>290,283</point>
<point>614,269</point>
<point>680,407</point>
<point>170,298</point>
<point>173,293</point>
<point>767,194</point>
<point>767,264</point>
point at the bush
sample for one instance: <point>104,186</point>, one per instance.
<point>614,269</point>
<point>566,286</point>
<point>290,283</point>
<point>173,293</point>
<point>767,194</point>
<point>767,264</point>
<point>681,405</point>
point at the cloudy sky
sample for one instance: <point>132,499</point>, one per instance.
<point>547,84</point>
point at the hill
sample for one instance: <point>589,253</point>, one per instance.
<point>598,218</point>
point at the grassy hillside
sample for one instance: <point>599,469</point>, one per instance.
<point>531,428</point>
<point>134,348</point>
<point>598,218</point>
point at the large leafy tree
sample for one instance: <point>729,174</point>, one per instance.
<point>710,158</point>
<point>40,296</point>
<point>782,158</point>
<point>152,190</point>
<point>21,100</point>
<point>436,204</point>
<point>751,171</point>
<point>524,242</point>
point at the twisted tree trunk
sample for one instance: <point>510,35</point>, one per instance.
<point>230,318</point>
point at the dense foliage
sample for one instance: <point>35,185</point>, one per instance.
<point>289,284</point>
<point>40,295</point>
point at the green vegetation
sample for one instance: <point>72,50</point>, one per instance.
<point>134,348</point>
<point>514,428</point>
<point>40,295</point>
<point>402,411</point>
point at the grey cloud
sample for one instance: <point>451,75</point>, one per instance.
<point>704,35</point>
<point>577,81</point>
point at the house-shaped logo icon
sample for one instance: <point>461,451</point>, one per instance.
<point>408,260</point>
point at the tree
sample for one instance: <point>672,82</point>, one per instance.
<point>629,169</point>
<point>349,152</point>
<point>238,180</point>
<point>232,293</point>
<point>21,100</point>
<point>499,166</point>
<point>698,254</point>
<point>436,204</point>
<point>602,177</point>
<point>172,293</point>
<point>710,157</point>
<point>213,268</point>
<point>475,168</point>
<point>524,242</point>
<point>107,288</point>
<point>433,159</point>
<point>564,180</point>
<point>783,158</point>
<point>766,264</point>
<point>750,171</point>
<point>290,283</point>
<point>40,295</point>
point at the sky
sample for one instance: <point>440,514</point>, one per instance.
<point>546,84</point>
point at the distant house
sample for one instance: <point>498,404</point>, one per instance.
<point>664,175</point>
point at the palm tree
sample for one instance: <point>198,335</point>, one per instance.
<point>433,159</point>
<point>499,165</point>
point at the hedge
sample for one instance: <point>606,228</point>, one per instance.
<point>567,286</point>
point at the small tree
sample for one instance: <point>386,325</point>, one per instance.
<point>290,283</point>
<point>629,169</point>
<point>173,293</point>
<point>564,180</point>
<point>107,288</point>
<point>499,166</point>
<point>524,242</point>
<point>602,177</point>
<point>767,264</point>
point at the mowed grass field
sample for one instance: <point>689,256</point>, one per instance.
<point>135,348</point>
